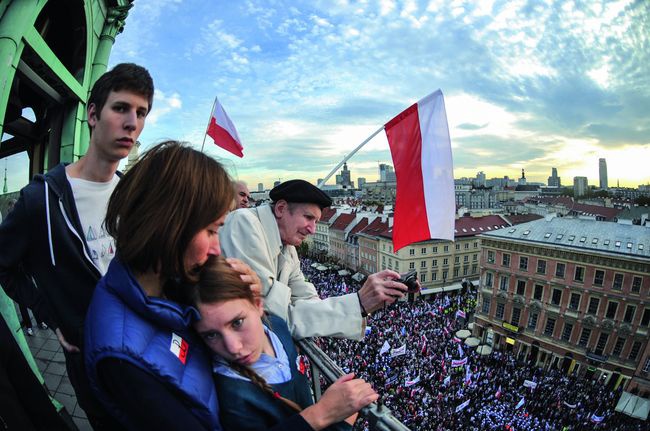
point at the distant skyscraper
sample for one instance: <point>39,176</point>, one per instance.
<point>360,182</point>
<point>276,183</point>
<point>260,187</point>
<point>480,179</point>
<point>554,180</point>
<point>344,178</point>
<point>580,186</point>
<point>386,172</point>
<point>602,173</point>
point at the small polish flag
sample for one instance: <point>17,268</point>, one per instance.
<point>421,149</point>
<point>223,131</point>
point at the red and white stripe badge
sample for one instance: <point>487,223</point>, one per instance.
<point>179,347</point>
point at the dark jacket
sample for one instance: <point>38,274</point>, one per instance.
<point>155,335</point>
<point>43,237</point>
<point>244,406</point>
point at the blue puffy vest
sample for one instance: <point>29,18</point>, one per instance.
<point>153,334</point>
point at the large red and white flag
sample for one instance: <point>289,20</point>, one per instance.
<point>421,150</point>
<point>223,131</point>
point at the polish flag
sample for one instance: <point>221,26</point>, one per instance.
<point>223,131</point>
<point>421,150</point>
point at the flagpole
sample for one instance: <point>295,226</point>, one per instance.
<point>322,183</point>
<point>209,119</point>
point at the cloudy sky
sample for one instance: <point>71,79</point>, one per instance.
<point>527,84</point>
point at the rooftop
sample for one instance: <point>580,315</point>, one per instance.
<point>586,234</point>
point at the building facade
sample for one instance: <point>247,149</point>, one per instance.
<point>602,173</point>
<point>570,294</point>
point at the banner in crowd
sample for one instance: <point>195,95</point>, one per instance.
<point>447,381</point>
<point>368,330</point>
<point>571,406</point>
<point>415,381</point>
<point>462,406</point>
<point>461,313</point>
<point>520,403</point>
<point>399,351</point>
<point>458,362</point>
<point>391,380</point>
<point>385,348</point>
<point>530,384</point>
<point>597,419</point>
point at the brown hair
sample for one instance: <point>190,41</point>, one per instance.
<point>159,205</point>
<point>219,282</point>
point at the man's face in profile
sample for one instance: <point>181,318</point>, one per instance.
<point>243,196</point>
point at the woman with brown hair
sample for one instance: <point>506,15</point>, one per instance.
<point>144,362</point>
<point>254,365</point>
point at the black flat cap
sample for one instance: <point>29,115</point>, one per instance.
<point>300,191</point>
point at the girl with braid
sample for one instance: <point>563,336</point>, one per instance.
<point>254,365</point>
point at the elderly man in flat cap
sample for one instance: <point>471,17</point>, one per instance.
<point>265,237</point>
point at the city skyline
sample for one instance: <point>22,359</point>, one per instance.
<point>531,87</point>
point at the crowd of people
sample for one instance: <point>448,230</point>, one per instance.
<point>425,392</point>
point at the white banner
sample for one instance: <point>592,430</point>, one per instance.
<point>530,384</point>
<point>462,406</point>
<point>399,351</point>
<point>412,382</point>
<point>385,348</point>
<point>458,362</point>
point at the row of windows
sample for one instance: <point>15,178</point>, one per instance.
<point>567,331</point>
<point>560,269</point>
<point>434,249</point>
<point>574,300</point>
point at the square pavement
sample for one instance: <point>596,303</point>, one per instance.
<point>48,355</point>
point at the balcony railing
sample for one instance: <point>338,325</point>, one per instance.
<point>378,416</point>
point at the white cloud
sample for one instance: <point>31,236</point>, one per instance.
<point>163,105</point>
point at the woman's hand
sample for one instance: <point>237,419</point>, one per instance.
<point>345,397</point>
<point>247,274</point>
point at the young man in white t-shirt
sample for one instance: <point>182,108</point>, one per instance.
<point>55,232</point>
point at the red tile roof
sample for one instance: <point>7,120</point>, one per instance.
<point>342,221</point>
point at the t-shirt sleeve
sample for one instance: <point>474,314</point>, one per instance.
<point>148,403</point>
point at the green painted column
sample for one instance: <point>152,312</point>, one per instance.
<point>18,17</point>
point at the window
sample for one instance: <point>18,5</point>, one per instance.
<point>445,261</point>
<point>541,266</point>
<point>474,269</point>
<point>521,287</point>
<point>559,270</point>
<point>488,279</point>
<point>503,283</point>
<point>435,249</point>
<point>618,282</point>
<point>516,314</point>
<point>618,347</point>
<point>412,252</point>
<point>584,337</point>
<point>446,248</point>
<point>539,292</point>
<point>505,259</point>
<point>457,246</point>
<point>602,342</point>
<point>475,244</point>
<point>445,273</point>
<point>423,250</point>
<point>532,321</point>
<point>579,274</point>
<point>465,270</point>
<point>599,277</point>
<point>566,332</point>
<point>490,256</point>
<point>423,264</point>
<point>550,327</point>
<point>645,320</point>
<point>475,257</point>
<point>434,276</point>
<point>411,265</point>
<point>456,272</point>
<point>634,352</point>
<point>612,307</point>
<point>636,284</point>
<point>466,246</point>
<point>593,305</point>
<point>574,301</point>
<point>486,305</point>
<point>556,298</point>
<point>423,278</point>
<point>500,309</point>
<point>646,367</point>
<point>629,313</point>
<point>523,263</point>
<point>466,258</point>
<point>456,259</point>
<point>434,262</point>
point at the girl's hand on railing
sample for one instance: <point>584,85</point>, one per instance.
<point>341,400</point>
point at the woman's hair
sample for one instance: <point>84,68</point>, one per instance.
<point>219,282</point>
<point>159,205</point>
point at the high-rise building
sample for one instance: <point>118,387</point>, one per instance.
<point>554,180</point>
<point>260,187</point>
<point>344,178</point>
<point>580,186</point>
<point>602,173</point>
<point>386,173</point>
<point>360,182</point>
<point>480,179</point>
<point>276,183</point>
